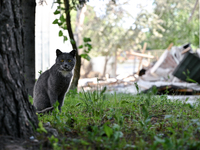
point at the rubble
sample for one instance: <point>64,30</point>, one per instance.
<point>110,83</point>
<point>170,72</point>
<point>173,90</point>
<point>166,64</point>
<point>189,68</point>
<point>165,74</point>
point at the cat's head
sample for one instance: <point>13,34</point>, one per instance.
<point>66,61</point>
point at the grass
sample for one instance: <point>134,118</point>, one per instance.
<point>99,120</point>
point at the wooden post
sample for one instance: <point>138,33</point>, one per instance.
<point>149,60</point>
<point>142,55</point>
<point>115,74</point>
<point>160,60</point>
<point>170,46</point>
<point>143,51</point>
<point>186,50</point>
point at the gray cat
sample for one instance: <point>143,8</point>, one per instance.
<point>54,83</point>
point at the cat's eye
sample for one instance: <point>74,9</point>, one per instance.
<point>62,60</point>
<point>69,60</point>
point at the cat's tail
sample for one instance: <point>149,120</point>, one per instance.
<point>46,110</point>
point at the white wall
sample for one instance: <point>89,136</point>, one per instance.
<point>98,65</point>
<point>46,37</point>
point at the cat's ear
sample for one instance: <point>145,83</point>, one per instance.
<point>73,53</point>
<point>58,52</point>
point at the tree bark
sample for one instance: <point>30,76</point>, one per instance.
<point>78,58</point>
<point>105,65</point>
<point>28,8</point>
<point>17,115</point>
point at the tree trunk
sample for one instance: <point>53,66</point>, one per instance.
<point>115,65</point>
<point>28,8</point>
<point>78,58</point>
<point>195,6</point>
<point>17,115</point>
<point>105,65</point>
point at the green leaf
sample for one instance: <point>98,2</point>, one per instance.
<point>81,46</point>
<point>85,39</point>
<point>85,56</point>
<point>108,130</point>
<point>190,80</point>
<point>55,21</point>
<point>56,12</point>
<point>62,18</point>
<point>170,129</point>
<point>145,112</point>
<point>60,33</point>
<point>84,142</point>
<point>40,72</point>
<point>64,27</point>
<point>95,100</point>
<point>141,123</point>
<point>137,87</point>
<point>78,104</point>
<point>103,91</point>
<point>154,90</point>
<point>65,38</point>
<point>191,106</point>
<point>89,47</point>
<point>72,41</point>
<point>60,24</point>
<point>58,1</point>
<point>41,128</point>
<point>147,120</point>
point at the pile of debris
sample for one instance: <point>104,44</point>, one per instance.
<point>116,84</point>
<point>177,70</point>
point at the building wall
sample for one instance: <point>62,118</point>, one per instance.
<point>46,37</point>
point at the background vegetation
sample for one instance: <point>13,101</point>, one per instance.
<point>169,21</point>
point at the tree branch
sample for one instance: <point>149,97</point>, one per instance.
<point>195,6</point>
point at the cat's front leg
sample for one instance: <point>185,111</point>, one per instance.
<point>61,100</point>
<point>53,97</point>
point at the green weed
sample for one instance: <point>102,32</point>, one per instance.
<point>99,120</point>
